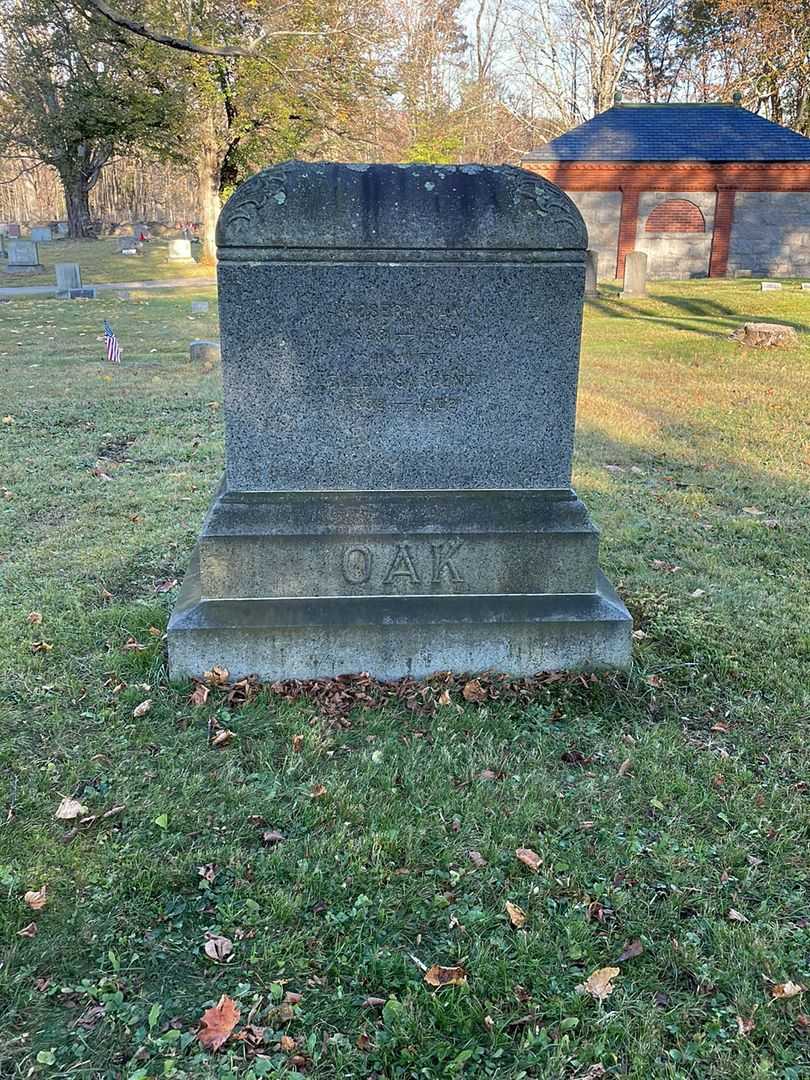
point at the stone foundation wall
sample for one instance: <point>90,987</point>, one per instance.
<point>770,234</point>
<point>676,255</point>
<point>601,211</point>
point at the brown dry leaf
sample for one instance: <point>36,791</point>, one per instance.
<point>131,645</point>
<point>787,990</point>
<point>37,900</point>
<point>34,617</point>
<point>222,738</point>
<point>600,984</point>
<point>445,976</point>
<point>69,809</point>
<point>218,948</point>
<point>631,950</point>
<point>477,859</point>
<point>745,1025</point>
<point>217,1023</point>
<point>721,727</point>
<point>166,586</point>
<point>155,631</point>
<point>655,681</point>
<point>736,916</point>
<point>517,916</point>
<point>287,1044</point>
<point>41,647</point>
<point>199,695</point>
<point>803,1021</point>
<point>317,791</point>
<point>217,676</point>
<point>667,567</point>
<point>444,698</point>
<point>142,709</point>
<point>281,1014</point>
<point>625,766</point>
<point>297,743</point>
<point>293,998</point>
<point>529,858</point>
<point>28,931</point>
<point>474,691</point>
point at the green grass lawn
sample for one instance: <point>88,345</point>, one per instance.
<point>669,806</point>
<point>101,262</point>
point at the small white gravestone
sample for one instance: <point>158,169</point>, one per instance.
<point>635,274</point>
<point>771,286</point>
<point>199,307</point>
<point>68,278</point>
<point>41,234</point>
<point>23,257</point>
<point>180,251</point>
<point>806,286</point>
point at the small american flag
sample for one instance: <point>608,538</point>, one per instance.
<point>111,343</point>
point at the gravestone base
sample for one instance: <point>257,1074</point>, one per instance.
<point>317,584</point>
<point>37,269</point>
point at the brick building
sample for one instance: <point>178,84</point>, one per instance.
<point>703,189</point>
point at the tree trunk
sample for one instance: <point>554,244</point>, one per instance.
<point>77,200</point>
<point>209,168</point>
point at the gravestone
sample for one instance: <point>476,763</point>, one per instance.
<point>128,245</point>
<point>400,347</point>
<point>63,229</point>
<point>68,276</point>
<point>180,251</point>
<point>41,234</point>
<point>591,273</point>
<point>806,286</point>
<point>13,231</point>
<point>635,274</point>
<point>23,257</point>
<point>87,292</point>
<point>771,286</point>
<point>199,307</point>
<point>205,353</point>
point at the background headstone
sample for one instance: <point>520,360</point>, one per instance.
<point>771,286</point>
<point>23,257</point>
<point>86,292</point>
<point>743,273</point>
<point>806,286</point>
<point>199,307</point>
<point>63,228</point>
<point>13,230</point>
<point>180,250</point>
<point>128,244</point>
<point>591,273</point>
<point>123,294</point>
<point>400,347</point>
<point>205,353</point>
<point>635,274</point>
<point>41,234</point>
<point>68,276</point>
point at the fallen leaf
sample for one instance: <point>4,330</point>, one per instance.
<point>721,727</point>
<point>166,586</point>
<point>281,1014</point>
<point>317,791</point>
<point>34,617</point>
<point>272,836</point>
<point>286,1044</point>
<point>631,950</point>
<point>28,931</point>
<point>745,1025</point>
<point>297,743</point>
<point>639,635</point>
<point>218,948</point>
<point>517,916</point>
<point>625,767</point>
<point>444,698</point>
<point>787,990</point>
<point>600,984</point>
<point>142,709</point>
<point>474,691</point>
<point>696,595</point>
<point>69,809</point>
<point>655,680</point>
<point>445,976</point>
<point>477,859</point>
<point>666,567</point>
<point>488,774</point>
<point>803,1021</point>
<point>753,510</point>
<point>41,647</point>
<point>736,916</point>
<point>208,872</point>
<point>529,858</point>
<point>199,695</point>
<point>217,1023</point>
<point>374,1002</point>
<point>37,900</point>
<point>217,676</point>
<point>222,738</point>
<point>292,997</point>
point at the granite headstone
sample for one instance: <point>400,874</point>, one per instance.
<point>400,348</point>
<point>68,276</point>
<point>23,257</point>
<point>771,286</point>
<point>180,250</point>
<point>41,234</point>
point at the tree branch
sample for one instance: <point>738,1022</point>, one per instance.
<point>142,30</point>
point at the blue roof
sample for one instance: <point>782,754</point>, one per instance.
<point>676,133</point>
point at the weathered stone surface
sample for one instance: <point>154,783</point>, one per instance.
<point>180,250</point>
<point>204,352</point>
<point>128,244</point>
<point>400,352</point>
<point>23,257</point>
<point>765,334</point>
<point>68,276</point>
<point>13,230</point>
<point>635,274</point>
<point>591,274</point>
<point>41,234</point>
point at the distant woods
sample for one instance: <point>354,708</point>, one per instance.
<point>128,111</point>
